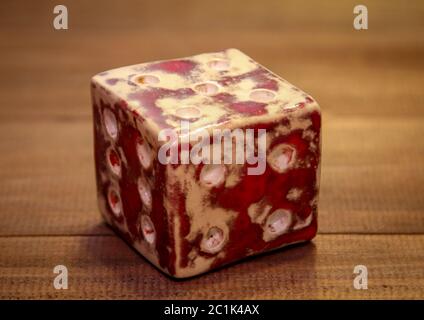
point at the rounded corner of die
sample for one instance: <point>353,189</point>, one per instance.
<point>94,79</point>
<point>313,105</point>
<point>178,276</point>
<point>93,83</point>
<point>317,108</point>
<point>313,229</point>
<point>233,49</point>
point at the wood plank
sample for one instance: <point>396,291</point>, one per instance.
<point>105,267</point>
<point>240,14</point>
<point>48,180</point>
<point>375,75</point>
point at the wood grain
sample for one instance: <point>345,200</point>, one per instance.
<point>369,84</point>
<point>104,267</point>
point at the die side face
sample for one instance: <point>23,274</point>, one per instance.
<point>130,181</point>
<point>190,218</point>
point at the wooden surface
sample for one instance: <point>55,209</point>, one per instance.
<point>369,84</point>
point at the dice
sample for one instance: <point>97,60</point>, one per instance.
<point>203,161</point>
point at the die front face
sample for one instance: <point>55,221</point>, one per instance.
<point>205,160</point>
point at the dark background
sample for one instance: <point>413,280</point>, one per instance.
<point>370,87</point>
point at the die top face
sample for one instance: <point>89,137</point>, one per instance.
<point>221,89</point>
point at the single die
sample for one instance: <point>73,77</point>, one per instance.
<point>205,160</point>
